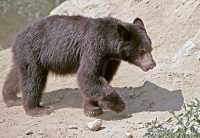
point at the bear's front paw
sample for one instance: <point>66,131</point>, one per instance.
<point>113,102</point>
<point>92,109</point>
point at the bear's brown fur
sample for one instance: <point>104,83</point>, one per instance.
<point>68,44</point>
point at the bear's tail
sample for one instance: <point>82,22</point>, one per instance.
<point>11,87</point>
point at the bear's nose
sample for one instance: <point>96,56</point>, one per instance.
<point>152,65</point>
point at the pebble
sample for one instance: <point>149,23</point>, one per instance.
<point>129,135</point>
<point>72,127</point>
<point>2,120</point>
<point>95,125</point>
<point>28,132</point>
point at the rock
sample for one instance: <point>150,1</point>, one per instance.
<point>72,127</point>
<point>95,125</point>
<point>2,120</point>
<point>188,49</point>
<point>28,132</point>
<point>185,50</point>
<point>129,135</point>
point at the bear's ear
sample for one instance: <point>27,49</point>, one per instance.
<point>123,32</point>
<point>138,21</point>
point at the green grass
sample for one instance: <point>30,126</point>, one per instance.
<point>182,125</point>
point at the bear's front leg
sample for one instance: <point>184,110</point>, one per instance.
<point>97,93</point>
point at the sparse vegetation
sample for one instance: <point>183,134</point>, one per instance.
<point>183,125</point>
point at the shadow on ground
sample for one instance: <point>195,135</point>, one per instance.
<point>148,97</point>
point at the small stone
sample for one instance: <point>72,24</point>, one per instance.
<point>2,120</point>
<point>95,125</point>
<point>20,136</point>
<point>147,2</point>
<point>28,132</point>
<point>72,127</point>
<point>129,135</point>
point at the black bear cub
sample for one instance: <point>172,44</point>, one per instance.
<point>90,47</point>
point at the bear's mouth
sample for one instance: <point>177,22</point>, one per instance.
<point>146,68</point>
<point>144,64</point>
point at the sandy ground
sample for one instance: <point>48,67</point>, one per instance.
<point>151,95</point>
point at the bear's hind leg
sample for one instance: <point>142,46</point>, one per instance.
<point>11,87</point>
<point>33,80</point>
